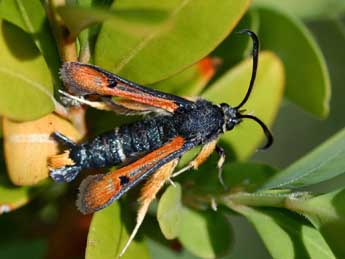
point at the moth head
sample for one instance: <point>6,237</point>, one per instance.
<point>231,117</point>
<point>234,115</point>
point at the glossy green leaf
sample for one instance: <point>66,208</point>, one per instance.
<point>269,198</point>
<point>264,101</point>
<point>236,47</point>
<point>286,235</point>
<point>323,163</point>
<point>306,8</point>
<point>30,16</point>
<point>13,197</point>
<point>191,81</point>
<point>108,234</point>
<point>25,83</point>
<point>327,213</point>
<point>169,211</point>
<point>78,18</point>
<point>307,78</point>
<point>189,32</point>
<point>205,234</point>
<point>87,37</point>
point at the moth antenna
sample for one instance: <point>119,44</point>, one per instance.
<point>255,54</point>
<point>62,139</point>
<point>267,132</point>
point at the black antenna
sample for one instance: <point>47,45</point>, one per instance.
<point>255,54</point>
<point>267,132</point>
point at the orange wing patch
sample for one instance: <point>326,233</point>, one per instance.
<point>98,191</point>
<point>83,77</point>
<point>92,80</point>
<point>140,97</point>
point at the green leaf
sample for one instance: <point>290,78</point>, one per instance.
<point>264,101</point>
<point>270,198</point>
<point>310,9</point>
<point>189,32</point>
<point>236,47</point>
<point>307,78</point>
<point>169,211</point>
<point>77,18</point>
<point>323,163</point>
<point>25,83</point>
<point>30,16</point>
<point>87,37</point>
<point>327,213</point>
<point>108,234</point>
<point>12,197</point>
<point>205,234</point>
<point>285,235</point>
<point>191,81</point>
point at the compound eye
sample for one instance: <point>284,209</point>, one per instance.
<point>230,126</point>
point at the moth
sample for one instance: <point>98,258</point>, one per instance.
<point>149,148</point>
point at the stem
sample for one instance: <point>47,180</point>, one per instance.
<point>277,200</point>
<point>68,52</point>
<point>66,43</point>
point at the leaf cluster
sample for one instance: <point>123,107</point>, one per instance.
<point>189,48</point>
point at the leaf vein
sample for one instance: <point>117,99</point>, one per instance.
<point>38,86</point>
<point>310,171</point>
<point>143,43</point>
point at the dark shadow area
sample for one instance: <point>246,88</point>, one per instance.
<point>19,43</point>
<point>102,121</point>
<point>292,224</point>
<point>333,229</point>
<point>25,46</point>
<point>49,50</point>
<point>128,220</point>
<point>220,232</point>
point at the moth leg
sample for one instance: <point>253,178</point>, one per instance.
<point>214,205</point>
<point>220,151</point>
<point>64,140</point>
<point>205,152</point>
<point>123,107</point>
<point>94,104</point>
<point>148,194</point>
<point>171,182</point>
